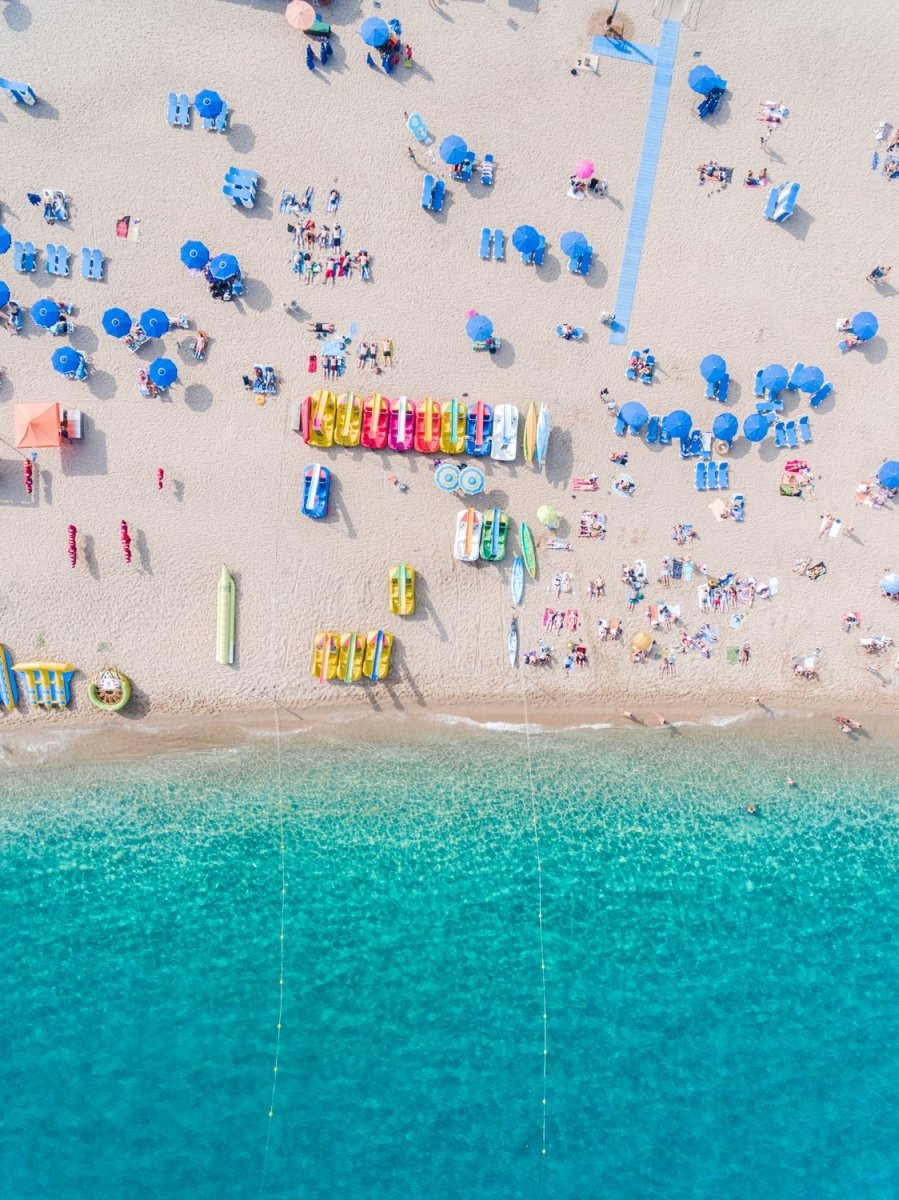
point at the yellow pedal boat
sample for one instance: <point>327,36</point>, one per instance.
<point>325,656</point>
<point>352,657</point>
<point>452,428</point>
<point>377,654</point>
<point>321,418</point>
<point>348,426</point>
<point>402,590</point>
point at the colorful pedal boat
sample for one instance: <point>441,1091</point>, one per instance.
<point>494,535</point>
<point>375,421</point>
<point>479,429</point>
<point>325,656</point>
<point>316,491</point>
<point>348,425</point>
<point>452,428</point>
<point>377,654</point>
<point>504,442</point>
<point>467,545</point>
<point>323,409</point>
<point>401,434</point>
<point>402,590</point>
<point>352,657</point>
<point>427,427</point>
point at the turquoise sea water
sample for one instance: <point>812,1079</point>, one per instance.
<point>721,989</point>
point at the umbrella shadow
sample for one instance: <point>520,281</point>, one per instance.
<point>598,275</point>
<point>197,397</point>
<point>88,456</point>
<point>240,138</point>
<point>559,465</point>
<point>505,355</point>
<point>102,385</point>
<point>18,18</point>
<point>138,706</point>
<point>84,339</point>
<point>258,296</point>
<point>874,351</point>
<point>549,270</point>
<point>143,552</point>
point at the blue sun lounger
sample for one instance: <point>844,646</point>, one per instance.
<point>427,191</point>
<point>685,451</point>
<point>780,435</point>
<point>487,170</point>
<point>24,257</point>
<point>792,440</point>
<point>723,385</point>
<point>57,260</point>
<point>805,431</point>
<point>527,257</point>
<point>738,506</point>
<point>91,263</point>
<point>467,167</point>
<point>793,381</point>
<point>217,124</point>
<point>437,197</point>
<point>179,110</point>
<point>664,436</point>
<point>712,476</point>
<point>822,393</point>
<point>701,476</point>
<point>759,386</point>
<point>621,427</point>
<point>499,245</point>
<point>723,475</point>
<point>484,249</point>
<point>696,442</point>
<point>652,430</point>
<point>540,251</point>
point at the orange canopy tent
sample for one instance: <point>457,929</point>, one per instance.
<point>37,425</point>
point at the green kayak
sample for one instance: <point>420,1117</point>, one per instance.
<point>528,552</point>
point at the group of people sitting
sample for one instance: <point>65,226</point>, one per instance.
<point>54,203</point>
<point>334,267</point>
<point>576,657</point>
<point>540,657</point>
<point>263,381</point>
<point>609,631</point>
<point>11,316</point>
<point>325,238</point>
<point>578,188</point>
<point>224,289</point>
<point>642,367</point>
<point>714,170</point>
<point>370,354</point>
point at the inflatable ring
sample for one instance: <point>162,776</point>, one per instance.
<point>722,448</point>
<point>108,678</point>
<point>418,129</point>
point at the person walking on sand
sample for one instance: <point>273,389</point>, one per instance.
<point>411,154</point>
<point>878,275</point>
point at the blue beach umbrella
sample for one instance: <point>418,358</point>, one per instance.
<point>479,328</point>
<point>712,367</point>
<point>700,79</point>
<point>446,477</point>
<point>65,360</point>
<point>810,379</point>
<point>45,312</point>
<point>888,474</point>
<point>116,322</point>
<point>890,584</point>
<point>163,372</point>
<point>572,242</point>
<point>775,376</point>
<point>374,31</point>
<point>472,481</point>
<point>4,293</point>
<point>5,240</point>
<point>154,322</point>
<point>194,255</point>
<point>453,149</point>
<point>756,427</point>
<point>678,423</point>
<point>634,414</point>
<point>864,325</point>
<point>725,427</point>
<point>224,266</point>
<point>525,238</point>
<point>208,103</point>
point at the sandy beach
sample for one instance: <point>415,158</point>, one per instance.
<point>715,276</point>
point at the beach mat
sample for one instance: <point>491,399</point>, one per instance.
<point>733,654</point>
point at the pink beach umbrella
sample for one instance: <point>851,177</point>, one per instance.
<point>584,169</point>
<point>125,538</point>
<point>73,546</point>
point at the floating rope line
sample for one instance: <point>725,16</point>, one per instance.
<point>274,674</point>
<point>535,829</point>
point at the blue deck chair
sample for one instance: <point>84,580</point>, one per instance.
<point>701,476</point>
<point>652,430</point>
<point>239,196</point>
<point>467,167</point>
<point>738,506</point>
<point>792,440</point>
<point>24,257</point>
<point>780,435</point>
<point>712,476</point>
<point>182,111</point>
<point>649,360</point>
<point>805,431</point>
<point>707,445</point>
<point>540,251</point>
<point>792,382</point>
<point>621,427</point>
<point>844,346</point>
<point>172,109</point>
<point>723,475</point>
<point>822,393</point>
<point>217,124</point>
<point>91,263</point>
<point>57,260</point>
<point>696,442</point>
<point>711,389</point>
<point>723,385</point>
<point>499,245</point>
<point>664,436</point>
<point>685,451</point>
<point>437,197</point>
<point>759,386</point>
<point>484,250</point>
<point>764,406</point>
<point>487,170</point>
<point>527,257</point>
<point>427,191</point>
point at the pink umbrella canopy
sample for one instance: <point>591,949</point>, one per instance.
<point>584,169</point>
<point>300,15</point>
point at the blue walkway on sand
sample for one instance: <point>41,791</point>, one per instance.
<point>629,51</point>
<point>646,176</point>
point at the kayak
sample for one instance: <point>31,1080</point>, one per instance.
<point>527,549</point>
<point>517,579</point>
<point>513,641</point>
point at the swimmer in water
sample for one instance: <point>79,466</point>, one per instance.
<point>752,809</point>
<point>791,782</point>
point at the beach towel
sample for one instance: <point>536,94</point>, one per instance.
<point>836,528</point>
<point>571,620</point>
<point>733,654</point>
<point>121,227</point>
<point>773,586</point>
<point>718,508</point>
<point>689,568</point>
